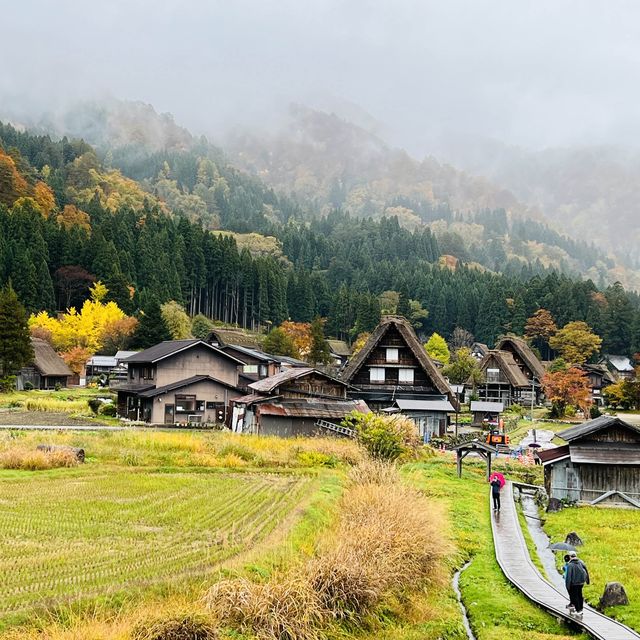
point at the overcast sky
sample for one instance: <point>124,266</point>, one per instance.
<point>534,73</point>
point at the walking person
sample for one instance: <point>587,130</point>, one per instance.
<point>576,576</point>
<point>495,493</point>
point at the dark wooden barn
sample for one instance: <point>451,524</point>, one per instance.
<point>600,463</point>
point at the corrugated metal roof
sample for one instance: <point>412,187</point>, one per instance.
<point>621,363</point>
<point>592,426</point>
<point>102,361</point>
<point>267,385</point>
<point>553,454</point>
<point>494,407</point>
<point>424,405</point>
<point>312,409</point>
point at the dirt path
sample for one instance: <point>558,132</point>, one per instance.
<point>35,419</point>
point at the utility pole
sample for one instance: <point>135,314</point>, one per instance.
<point>533,396</point>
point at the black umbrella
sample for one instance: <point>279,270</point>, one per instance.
<point>561,546</point>
<point>535,445</point>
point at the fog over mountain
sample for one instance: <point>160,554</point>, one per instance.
<point>528,73</point>
<point>538,97</point>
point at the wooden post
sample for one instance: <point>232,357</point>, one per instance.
<point>459,461</point>
<point>488,465</point>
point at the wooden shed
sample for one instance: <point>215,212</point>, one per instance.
<point>599,464</point>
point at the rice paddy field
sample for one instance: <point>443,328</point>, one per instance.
<point>67,537</point>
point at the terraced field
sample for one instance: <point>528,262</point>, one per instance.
<point>66,535</point>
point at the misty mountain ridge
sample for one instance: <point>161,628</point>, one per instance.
<point>325,162</point>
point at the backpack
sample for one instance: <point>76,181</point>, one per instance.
<point>579,573</point>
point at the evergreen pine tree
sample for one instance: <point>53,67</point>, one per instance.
<point>15,342</point>
<point>319,352</point>
<point>151,327</point>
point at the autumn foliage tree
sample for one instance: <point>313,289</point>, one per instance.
<point>437,348</point>
<point>540,328</point>
<point>94,325</point>
<point>568,387</point>
<point>300,334</point>
<point>575,342</point>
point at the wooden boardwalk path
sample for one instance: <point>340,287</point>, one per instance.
<point>514,559</point>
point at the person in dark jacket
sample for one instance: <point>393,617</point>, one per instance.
<point>576,576</point>
<point>495,492</point>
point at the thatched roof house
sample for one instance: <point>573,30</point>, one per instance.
<point>393,364</point>
<point>47,370</point>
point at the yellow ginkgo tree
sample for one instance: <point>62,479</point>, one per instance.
<point>87,330</point>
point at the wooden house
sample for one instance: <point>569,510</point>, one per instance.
<point>429,416</point>
<point>502,380</point>
<point>526,359</point>
<point>179,382</point>
<point>394,366</point>
<point>486,414</point>
<point>619,366</point>
<point>600,464</point>
<point>340,352</point>
<point>47,370</point>
<point>291,403</point>
<point>479,350</point>
<point>599,378</point>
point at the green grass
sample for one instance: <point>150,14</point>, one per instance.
<point>611,551</point>
<point>497,610</point>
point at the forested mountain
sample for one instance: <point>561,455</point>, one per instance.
<point>325,161</point>
<point>591,192</point>
<point>68,218</point>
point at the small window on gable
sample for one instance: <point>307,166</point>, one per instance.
<point>376,374</point>
<point>405,375</point>
<point>493,375</point>
<point>392,355</point>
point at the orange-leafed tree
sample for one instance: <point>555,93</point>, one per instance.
<point>300,333</point>
<point>567,387</point>
<point>76,358</point>
<point>44,198</point>
<point>71,217</point>
<point>540,328</point>
<point>12,183</point>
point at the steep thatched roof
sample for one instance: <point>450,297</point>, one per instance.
<point>224,337</point>
<point>411,340</point>
<point>47,361</point>
<point>521,347</point>
<point>505,362</point>
<point>339,347</point>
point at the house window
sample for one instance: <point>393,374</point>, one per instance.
<point>250,368</point>
<point>199,405</point>
<point>263,372</point>
<point>392,355</point>
<point>405,375</point>
<point>147,373</point>
<point>493,375</point>
<point>376,374</point>
<point>185,404</point>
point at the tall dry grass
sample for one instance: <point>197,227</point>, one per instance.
<point>34,460</point>
<point>284,608</point>
<point>389,540</point>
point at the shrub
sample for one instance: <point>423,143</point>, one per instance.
<point>94,405</point>
<point>30,460</point>
<point>7,384</point>
<point>186,626</point>
<point>384,437</point>
<point>594,412</point>
<point>316,459</point>
<point>108,409</point>
<point>28,386</point>
<point>285,608</point>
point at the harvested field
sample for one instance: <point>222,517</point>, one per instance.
<point>73,534</point>
<point>43,418</point>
